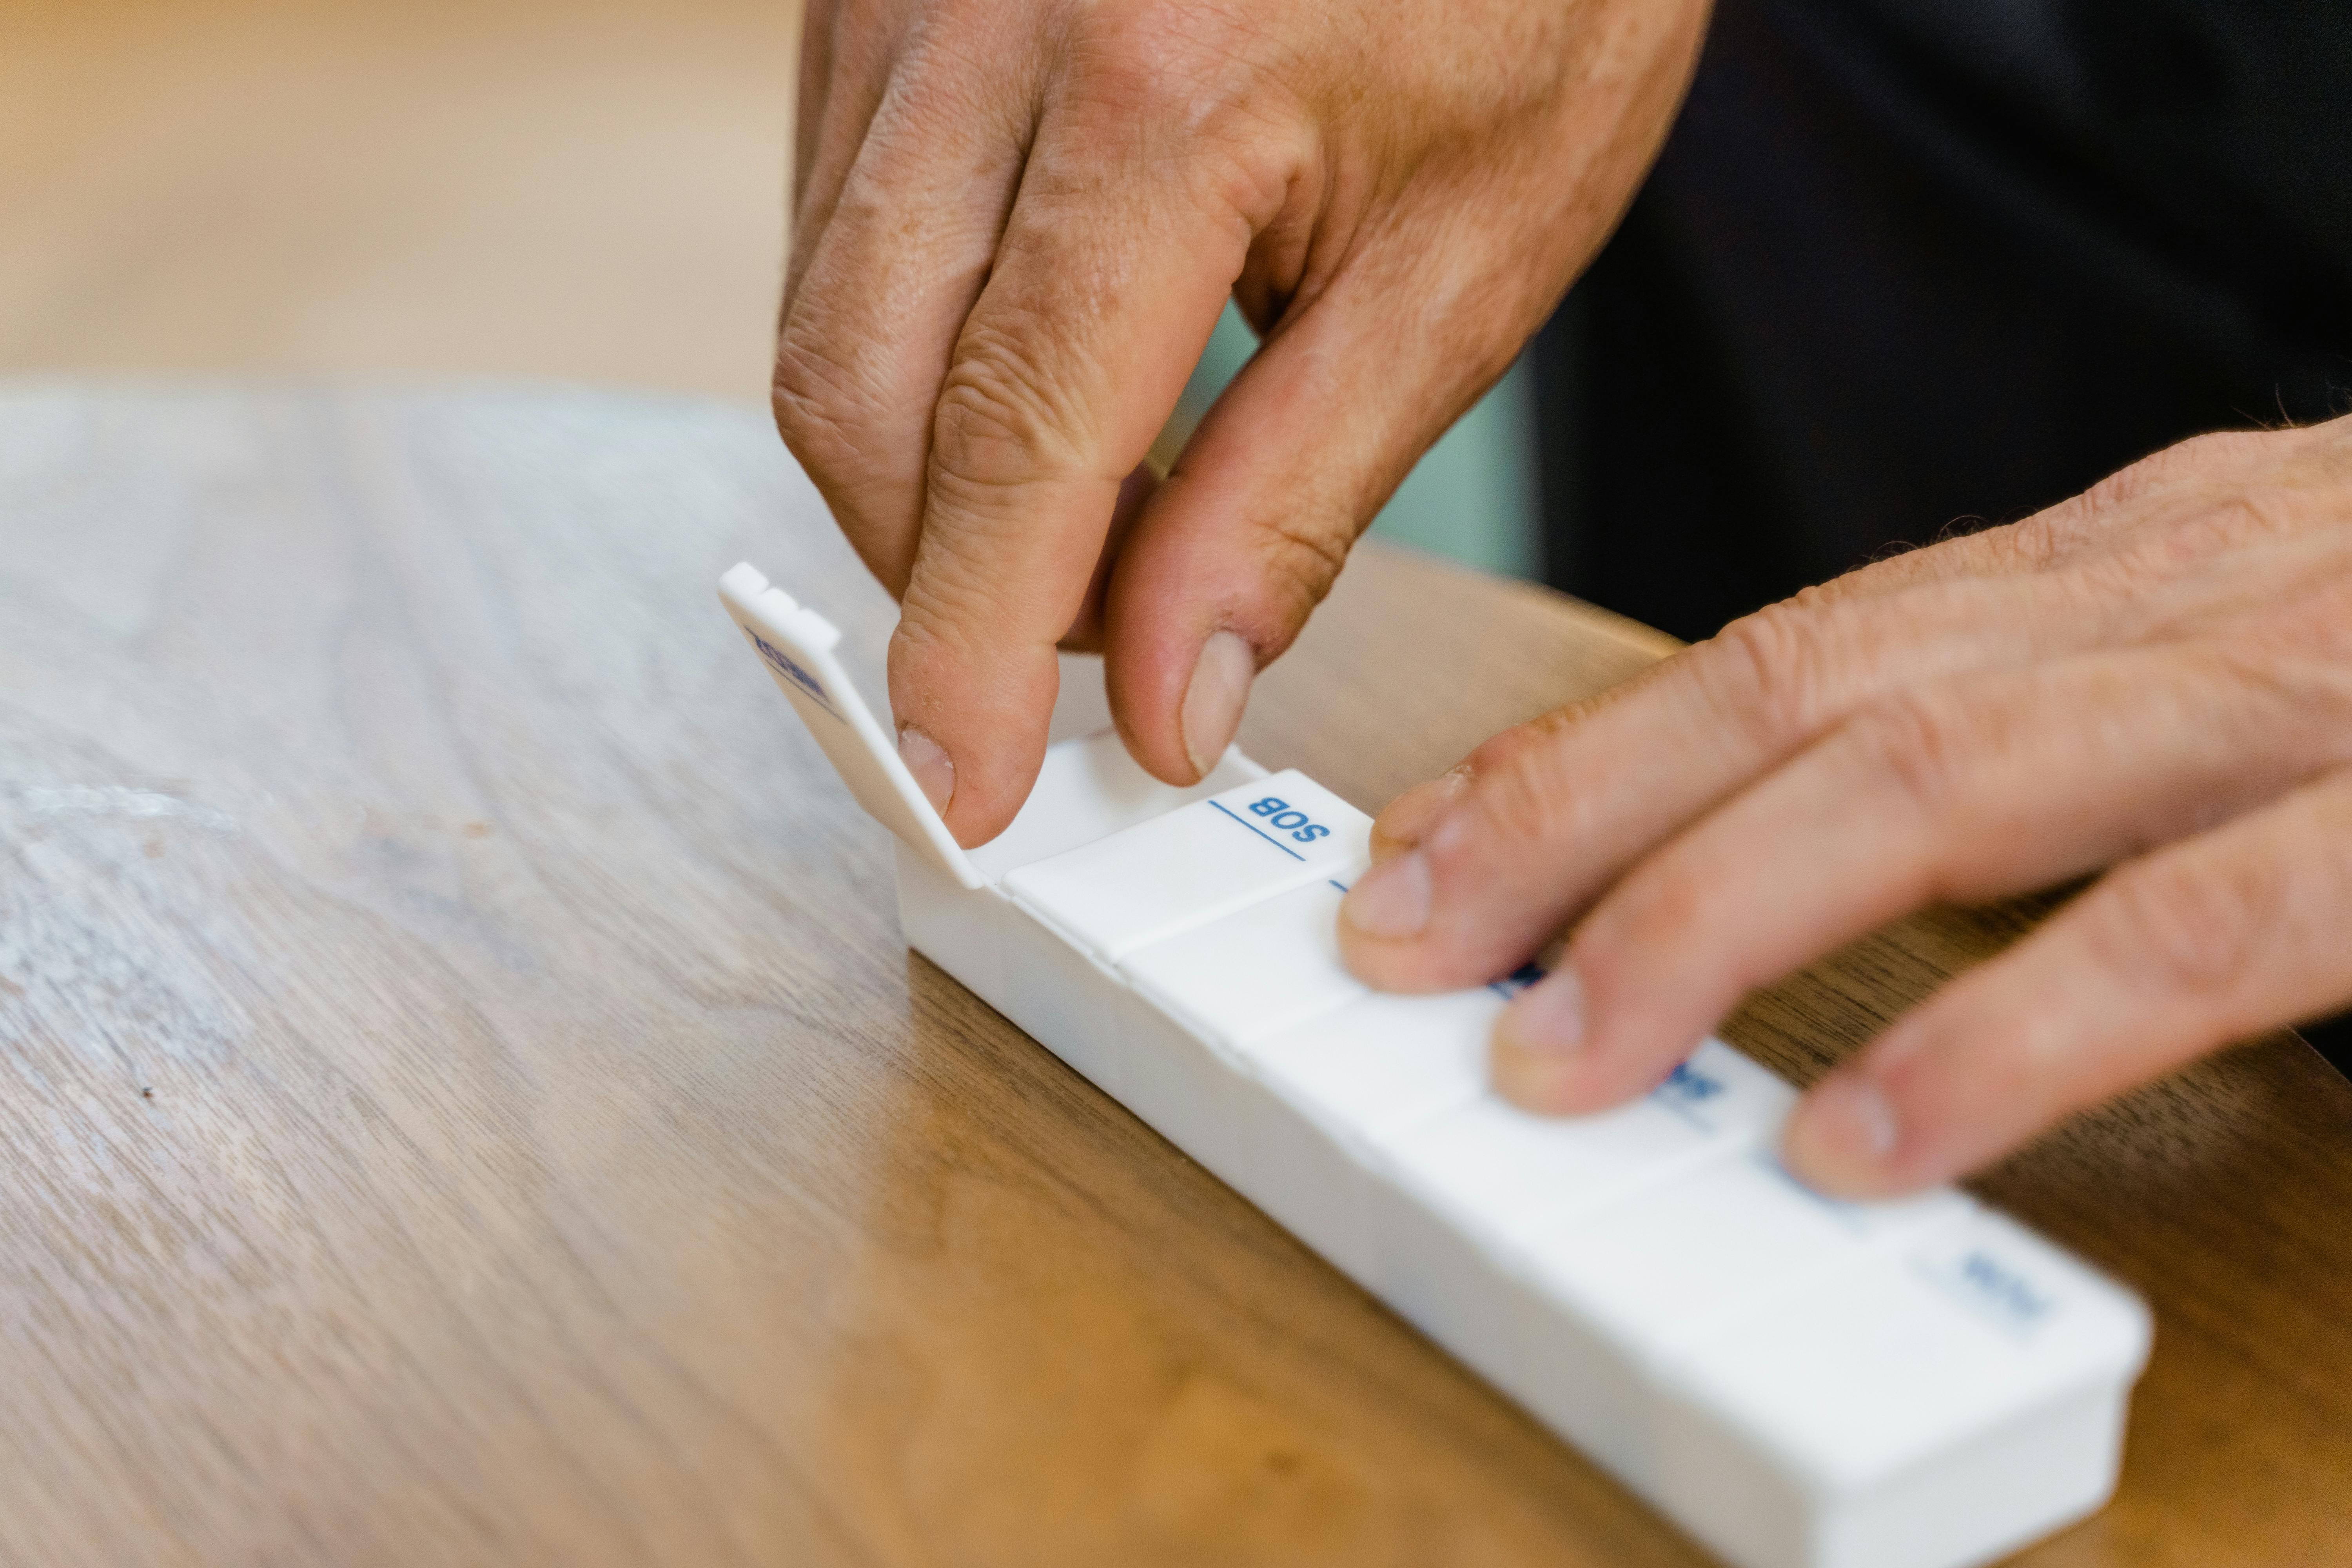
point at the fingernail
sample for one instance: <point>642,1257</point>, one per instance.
<point>1391,899</point>
<point>1406,821</point>
<point>1843,1135</point>
<point>1214,699</point>
<point>1538,1039</point>
<point>1547,1017</point>
<point>933,769</point>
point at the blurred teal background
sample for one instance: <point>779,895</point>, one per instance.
<point>1472,497</point>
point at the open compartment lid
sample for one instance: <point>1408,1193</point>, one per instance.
<point>796,643</point>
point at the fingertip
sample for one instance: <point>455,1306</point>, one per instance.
<point>1390,903</point>
<point>1845,1138</point>
<point>975,815</point>
<point>1411,814</point>
<point>928,762</point>
<point>1552,1055</point>
<point>972,731</point>
<point>1380,927</point>
<point>1537,1054</point>
<point>1535,1081</point>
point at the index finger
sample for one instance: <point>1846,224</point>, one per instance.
<point>1107,282</point>
<point>1552,814</point>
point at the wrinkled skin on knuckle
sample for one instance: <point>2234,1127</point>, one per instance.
<point>2195,461</point>
<point>1770,674</point>
<point>1297,560</point>
<point>2213,524</point>
<point>2216,489</point>
<point>1205,99</point>
<point>1001,421</point>
<point>2186,927</point>
<point>848,53</point>
<point>1170,61</point>
<point>2291,703</point>
<point>950,611</point>
<point>814,394</point>
<point>2031,543</point>
<point>979,579</point>
<point>2220,554</point>
<point>2169,562</point>
<point>2085,525</point>
<point>1186,79</point>
<point>1914,745</point>
<point>817,407</point>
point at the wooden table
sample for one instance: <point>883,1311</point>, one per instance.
<point>463,1097</point>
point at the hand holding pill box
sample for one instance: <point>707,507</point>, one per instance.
<point>1796,1382</point>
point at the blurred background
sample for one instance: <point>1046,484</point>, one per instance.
<point>592,191</point>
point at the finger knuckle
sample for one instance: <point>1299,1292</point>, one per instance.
<point>1913,745</point>
<point>1201,90</point>
<point>1166,61</point>
<point>2189,534</point>
<point>2032,542</point>
<point>1299,560</point>
<point>2257,513</point>
<point>812,393</point>
<point>931,625</point>
<point>1000,422</point>
<point>1770,672</point>
<point>2188,925</point>
<point>2200,458</point>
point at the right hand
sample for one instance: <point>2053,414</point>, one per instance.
<point>1015,225</point>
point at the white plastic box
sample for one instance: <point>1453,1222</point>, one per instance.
<point>1796,1382</point>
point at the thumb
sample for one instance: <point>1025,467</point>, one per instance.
<point>1245,535</point>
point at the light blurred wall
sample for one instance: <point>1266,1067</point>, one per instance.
<point>592,191</point>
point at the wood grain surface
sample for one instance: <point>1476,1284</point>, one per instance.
<point>463,1097</point>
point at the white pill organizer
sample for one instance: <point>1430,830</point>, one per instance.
<point>1796,1382</point>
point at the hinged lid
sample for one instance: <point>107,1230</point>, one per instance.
<point>796,643</point>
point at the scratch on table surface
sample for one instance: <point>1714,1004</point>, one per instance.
<point>117,800</point>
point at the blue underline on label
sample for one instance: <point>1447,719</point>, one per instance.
<point>1261,832</point>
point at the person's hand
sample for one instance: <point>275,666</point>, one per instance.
<point>2155,677</point>
<point>1016,224</point>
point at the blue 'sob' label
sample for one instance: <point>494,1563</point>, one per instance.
<point>2003,1290</point>
<point>1284,817</point>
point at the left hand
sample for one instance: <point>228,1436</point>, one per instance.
<point>2154,677</point>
